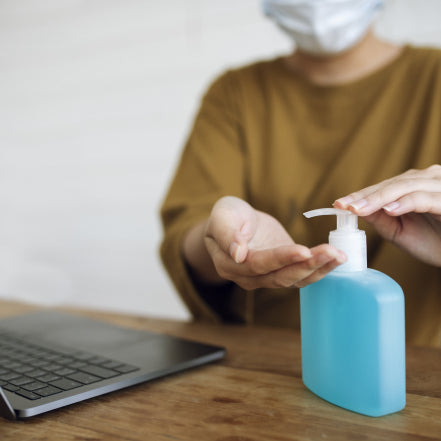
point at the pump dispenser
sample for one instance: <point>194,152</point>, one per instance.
<point>347,238</point>
<point>352,329</point>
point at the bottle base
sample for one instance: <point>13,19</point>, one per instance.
<point>373,412</point>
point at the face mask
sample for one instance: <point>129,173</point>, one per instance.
<point>324,27</point>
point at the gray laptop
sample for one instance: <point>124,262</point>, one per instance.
<point>50,359</point>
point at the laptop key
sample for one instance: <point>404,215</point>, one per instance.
<point>82,356</point>
<point>98,360</point>
<point>27,394</point>
<point>64,372</point>
<point>52,367</point>
<point>11,364</point>
<point>48,377</point>
<point>77,364</point>
<point>40,363</point>
<point>126,368</point>
<point>111,364</point>
<point>52,357</point>
<point>65,384</point>
<point>26,359</point>
<point>11,387</point>
<point>65,360</point>
<point>20,381</point>
<point>47,391</point>
<point>33,386</point>
<point>84,378</point>
<point>8,376</point>
<point>99,371</point>
<point>23,369</point>
<point>36,373</point>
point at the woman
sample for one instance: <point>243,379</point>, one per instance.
<point>346,117</point>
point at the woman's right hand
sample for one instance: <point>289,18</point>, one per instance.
<point>252,249</point>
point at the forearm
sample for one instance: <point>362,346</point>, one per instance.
<point>197,257</point>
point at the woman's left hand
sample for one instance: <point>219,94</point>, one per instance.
<point>405,209</point>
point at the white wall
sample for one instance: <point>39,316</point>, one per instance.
<point>96,98</point>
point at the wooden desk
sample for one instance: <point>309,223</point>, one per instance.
<point>255,394</point>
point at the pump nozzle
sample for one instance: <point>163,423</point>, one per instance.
<point>345,219</point>
<point>347,238</point>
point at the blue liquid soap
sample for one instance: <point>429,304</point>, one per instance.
<point>352,330</point>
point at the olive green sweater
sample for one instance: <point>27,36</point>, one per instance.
<point>286,146</point>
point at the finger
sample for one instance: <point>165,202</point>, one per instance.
<point>291,275</point>
<point>261,262</point>
<point>257,263</point>
<point>344,202</point>
<point>319,273</point>
<point>231,226</point>
<point>224,264</point>
<point>434,171</point>
<point>387,226</point>
<point>323,254</point>
<point>385,194</point>
<point>359,201</point>
<point>418,202</point>
<point>238,248</point>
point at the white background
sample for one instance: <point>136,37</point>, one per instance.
<point>96,99</point>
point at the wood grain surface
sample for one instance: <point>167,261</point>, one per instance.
<point>255,394</point>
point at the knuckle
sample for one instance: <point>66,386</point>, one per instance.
<point>285,278</point>
<point>300,284</point>
<point>273,281</point>
<point>382,193</point>
<point>434,168</point>
<point>413,197</point>
<point>283,283</point>
<point>390,189</point>
<point>247,284</point>
<point>421,201</point>
<point>356,195</point>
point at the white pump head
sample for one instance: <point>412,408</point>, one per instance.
<point>347,238</point>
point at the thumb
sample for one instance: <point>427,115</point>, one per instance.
<point>231,226</point>
<point>238,249</point>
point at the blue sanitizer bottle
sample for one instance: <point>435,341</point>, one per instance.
<point>352,329</point>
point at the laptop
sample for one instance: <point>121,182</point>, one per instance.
<point>50,359</point>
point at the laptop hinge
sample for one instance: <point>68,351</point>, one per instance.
<point>6,410</point>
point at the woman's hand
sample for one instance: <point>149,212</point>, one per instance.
<point>405,209</point>
<point>252,249</point>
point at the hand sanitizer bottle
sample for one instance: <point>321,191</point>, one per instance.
<point>352,329</point>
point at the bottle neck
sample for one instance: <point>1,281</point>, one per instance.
<point>353,244</point>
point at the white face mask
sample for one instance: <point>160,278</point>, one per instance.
<point>324,27</point>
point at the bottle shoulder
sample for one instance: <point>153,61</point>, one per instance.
<point>368,274</point>
<point>368,281</point>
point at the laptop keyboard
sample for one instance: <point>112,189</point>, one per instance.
<point>34,371</point>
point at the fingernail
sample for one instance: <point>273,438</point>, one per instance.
<point>358,204</point>
<point>344,201</point>
<point>236,252</point>
<point>391,207</point>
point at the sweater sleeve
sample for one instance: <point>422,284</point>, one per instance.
<point>211,166</point>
